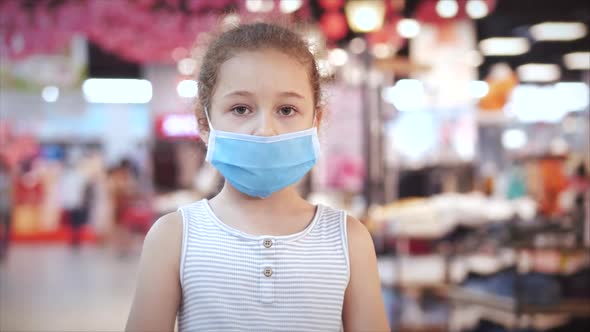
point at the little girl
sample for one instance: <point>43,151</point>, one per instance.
<point>258,257</point>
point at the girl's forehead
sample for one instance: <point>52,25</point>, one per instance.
<point>265,70</point>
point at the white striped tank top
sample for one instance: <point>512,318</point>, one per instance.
<point>234,281</point>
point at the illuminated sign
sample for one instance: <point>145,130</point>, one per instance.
<point>177,126</point>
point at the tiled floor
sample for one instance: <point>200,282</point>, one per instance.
<point>52,288</point>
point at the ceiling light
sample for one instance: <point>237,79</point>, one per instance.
<point>117,90</point>
<point>476,9</point>
<point>187,88</point>
<point>262,6</point>
<point>538,72</point>
<point>504,46</point>
<point>178,125</point>
<point>558,31</point>
<point>290,6</point>
<point>50,94</point>
<point>365,15</point>
<point>338,57</point>
<point>577,60</point>
<point>447,8</point>
<point>408,28</point>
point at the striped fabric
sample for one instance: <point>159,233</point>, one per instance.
<point>233,281</point>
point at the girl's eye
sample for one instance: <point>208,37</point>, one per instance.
<point>287,111</point>
<point>240,110</point>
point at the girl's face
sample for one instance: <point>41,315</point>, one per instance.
<point>262,93</point>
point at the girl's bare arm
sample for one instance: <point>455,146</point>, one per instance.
<point>363,304</point>
<point>158,293</point>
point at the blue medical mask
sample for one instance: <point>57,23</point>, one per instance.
<point>261,165</point>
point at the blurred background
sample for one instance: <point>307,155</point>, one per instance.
<point>456,130</point>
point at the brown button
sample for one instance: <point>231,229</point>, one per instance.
<point>267,243</point>
<point>268,272</point>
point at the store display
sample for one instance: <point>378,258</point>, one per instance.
<point>486,252</point>
<point>437,216</point>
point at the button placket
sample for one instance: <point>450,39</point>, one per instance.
<point>267,271</point>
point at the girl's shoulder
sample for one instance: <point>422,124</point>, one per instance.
<point>357,233</point>
<point>165,237</point>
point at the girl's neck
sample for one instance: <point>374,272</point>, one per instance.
<point>286,199</point>
<point>284,212</point>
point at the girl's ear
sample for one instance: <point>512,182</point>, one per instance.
<point>319,114</point>
<point>203,126</point>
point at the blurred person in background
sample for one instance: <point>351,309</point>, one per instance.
<point>572,200</point>
<point>123,188</point>
<point>6,192</point>
<point>77,195</point>
<point>580,182</point>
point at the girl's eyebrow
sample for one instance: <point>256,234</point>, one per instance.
<point>239,93</point>
<point>291,94</point>
<point>250,94</point>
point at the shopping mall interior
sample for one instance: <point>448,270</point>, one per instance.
<point>456,131</point>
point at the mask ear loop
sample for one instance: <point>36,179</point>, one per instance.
<point>208,119</point>
<point>211,132</point>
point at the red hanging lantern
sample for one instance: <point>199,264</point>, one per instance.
<point>333,24</point>
<point>331,4</point>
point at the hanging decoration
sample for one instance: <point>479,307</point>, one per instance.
<point>38,27</point>
<point>333,24</point>
<point>331,4</point>
<point>146,31</point>
<point>143,31</point>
